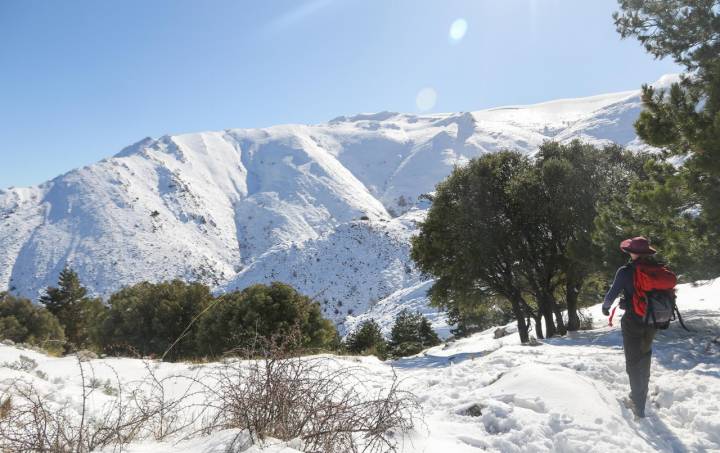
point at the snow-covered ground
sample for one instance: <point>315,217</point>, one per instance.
<point>562,395</point>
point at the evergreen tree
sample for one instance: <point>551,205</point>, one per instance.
<point>428,336</point>
<point>367,339</point>
<point>149,318</point>
<point>470,316</point>
<point>79,315</point>
<point>686,30</point>
<point>685,122</point>
<point>467,239</point>
<point>66,295</point>
<point>508,227</point>
<point>411,333</point>
<point>578,180</point>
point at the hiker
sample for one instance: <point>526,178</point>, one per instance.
<point>641,318</point>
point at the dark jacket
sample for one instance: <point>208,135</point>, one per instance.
<point>622,286</point>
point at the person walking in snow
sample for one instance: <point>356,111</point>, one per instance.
<point>643,314</point>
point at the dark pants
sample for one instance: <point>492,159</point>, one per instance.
<point>637,342</point>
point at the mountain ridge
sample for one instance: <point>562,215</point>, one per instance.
<point>327,207</point>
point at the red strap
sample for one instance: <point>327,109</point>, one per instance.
<point>612,313</point>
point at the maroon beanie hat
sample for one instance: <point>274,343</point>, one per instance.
<point>638,245</point>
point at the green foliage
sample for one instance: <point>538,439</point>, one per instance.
<point>649,210</point>
<point>470,316</point>
<point>23,322</point>
<point>79,315</point>
<point>467,240</point>
<point>68,292</point>
<point>680,201</point>
<point>273,311</point>
<point>367,339</point>
<point>181,318</point>
<point>411,333</point>
<point>508,228</point>
<point>686,30</point>
<point>579,179</point>
<point>148,318</point>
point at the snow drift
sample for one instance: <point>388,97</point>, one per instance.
<point>482,393</point>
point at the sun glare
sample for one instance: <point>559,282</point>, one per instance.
<point>458,29</point>
<point>426,99</point>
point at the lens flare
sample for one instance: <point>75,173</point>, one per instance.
<point>458,29</point>
<point>426,99</point>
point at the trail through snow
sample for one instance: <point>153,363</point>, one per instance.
<point>564,395</point>
<point>481,393</point>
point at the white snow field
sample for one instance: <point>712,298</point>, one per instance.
<point>562,395</point>
<point>328,208</point>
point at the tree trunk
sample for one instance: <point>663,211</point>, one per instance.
<point>561,330</point>
<point>538,327</point>
<point>517,307</point>
<point>523,329</point>
<point>572,290</point>
<point>549,324</point>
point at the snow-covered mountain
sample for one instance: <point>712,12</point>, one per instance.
<point>328,208</point>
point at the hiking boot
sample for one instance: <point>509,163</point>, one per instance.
<point>628,402</point>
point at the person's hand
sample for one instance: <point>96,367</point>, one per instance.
<point>606,310</point>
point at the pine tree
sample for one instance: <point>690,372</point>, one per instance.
<point>79,315</point>
<point>428,336</point>
<point>367,339</point>
<point>686,30</point>
<point>66,295</point>
<point>411,333</point>
<point>685,122</point>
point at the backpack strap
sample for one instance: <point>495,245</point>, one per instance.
<point>680,318</point>
<point>651,312</point>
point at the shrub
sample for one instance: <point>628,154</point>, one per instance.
<point>32,420</point>
<point>239,318</point>
<point>23,363</point>
<point>23,322</point>
<point>367,339</point>
<point>149,318</point>
<point>411,333</point>
<point>329,406</point>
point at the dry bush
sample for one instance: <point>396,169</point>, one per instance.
<point>31,422</point>
<point>329,406</point>
<point>267,391</point>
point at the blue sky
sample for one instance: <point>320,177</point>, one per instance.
<point>80,80</point>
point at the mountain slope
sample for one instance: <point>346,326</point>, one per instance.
<point>328,208</point>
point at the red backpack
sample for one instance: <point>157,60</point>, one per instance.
<point>653,301</point>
